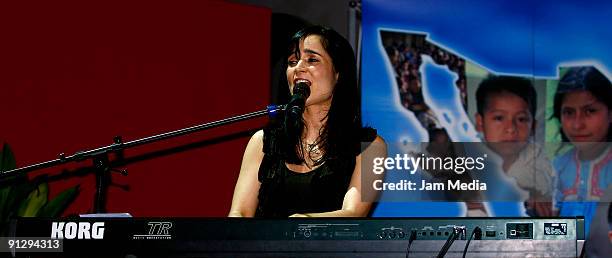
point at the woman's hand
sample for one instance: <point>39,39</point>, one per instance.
<point>299,215</point>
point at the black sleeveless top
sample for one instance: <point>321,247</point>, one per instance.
<point>284,192</point>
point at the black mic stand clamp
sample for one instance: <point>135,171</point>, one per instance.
<point>102,169</point>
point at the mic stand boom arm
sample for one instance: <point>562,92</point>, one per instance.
<point>101,163</point>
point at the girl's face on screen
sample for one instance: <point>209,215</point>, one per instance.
<point>584,118</point>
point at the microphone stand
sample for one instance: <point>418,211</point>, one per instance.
<point>99,156</point>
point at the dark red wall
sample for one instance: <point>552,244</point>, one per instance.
<point>73,74</point>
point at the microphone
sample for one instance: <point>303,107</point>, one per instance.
<point>295,107</point>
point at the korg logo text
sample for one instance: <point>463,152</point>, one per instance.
<point>80,230</point>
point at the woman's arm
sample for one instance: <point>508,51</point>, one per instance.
<point>244,202</point>
<point>353,206</point>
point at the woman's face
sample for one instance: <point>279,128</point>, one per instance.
<point>315,68</point>
<point>584,118</point>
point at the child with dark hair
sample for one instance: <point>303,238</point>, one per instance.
<point>583,106</point>
<point>505,114</point>
<point>505,117</point>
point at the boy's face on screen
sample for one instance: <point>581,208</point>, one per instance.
<point>584,118</point>
<point>314,66</point>
<point>507,122</point>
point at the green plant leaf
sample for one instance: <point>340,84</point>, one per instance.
<point>7,162</point>
<point>18,194</point>
<point>14,189</point>
<point>5,194</point>
<point>8,185</point>
<point>20,197</point>
<point>54,207</point>
<point>36,200</point>
<point>7,159</point>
